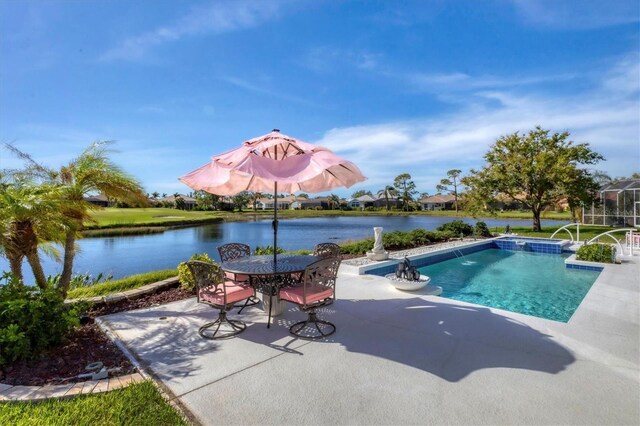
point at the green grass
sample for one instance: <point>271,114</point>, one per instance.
<point>122,218</point>
<point>586,232</point>
<point>139,404</point>
<point>117,217</point>
<point>123,231</point>
<point>115,286</point>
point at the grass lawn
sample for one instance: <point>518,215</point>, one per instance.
<point>118,217</point>
<point>586,232</point>
<point>116,286</point>
<point>139,404</point>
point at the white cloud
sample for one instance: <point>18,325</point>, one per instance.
<point>214,18</point>
<point>264,90</point>
<point>574,14</point>
<point>326,59</point>
<point>608,117</point>
<point>457,81</point>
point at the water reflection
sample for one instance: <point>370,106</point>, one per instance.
<point>122,256</point>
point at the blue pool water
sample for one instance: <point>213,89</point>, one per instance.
<point>529,283</point>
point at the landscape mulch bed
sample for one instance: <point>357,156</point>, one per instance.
<point>85,345</point>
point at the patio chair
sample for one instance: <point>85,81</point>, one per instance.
<point>232,251</point>
<point>220,293</point>
<point>324,250</point>
<point>317,290</point>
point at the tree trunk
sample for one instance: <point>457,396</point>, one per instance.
<point>69,254</point>
<point>15,264</point>
<point>536,220</point>
<point>456,200</point>
<point>36,267</point>
<point>574,217</point>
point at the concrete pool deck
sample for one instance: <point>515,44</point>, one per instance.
<point>403,358</point>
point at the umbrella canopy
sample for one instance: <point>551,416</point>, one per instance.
<point>261,162</point>
<point>274,162</point>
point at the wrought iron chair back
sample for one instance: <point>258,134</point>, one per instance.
<point>325,250</point>
<point>211,289</point>
<point>209,278</point>
<point>233,251</point>
<point>318,289</point>
<point>319,274</point>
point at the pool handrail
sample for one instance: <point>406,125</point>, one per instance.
<point>608,234</point>
<point>577,224</point>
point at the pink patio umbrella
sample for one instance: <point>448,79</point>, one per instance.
<point>274,162</point>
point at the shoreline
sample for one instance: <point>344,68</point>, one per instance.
<point>155,227</point>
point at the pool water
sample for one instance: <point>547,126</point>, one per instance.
<point>529,283</point>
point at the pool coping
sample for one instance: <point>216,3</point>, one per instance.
<point>363,269</point>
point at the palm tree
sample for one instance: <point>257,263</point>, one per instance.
<point>91,171</point>
<point>254,197</point>
<point>388,192</point>
<point>334,200</point>
<point>155,195</point>
<point>29,216</point>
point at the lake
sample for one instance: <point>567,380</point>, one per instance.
<point>123,256</point>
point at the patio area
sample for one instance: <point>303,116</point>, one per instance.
<point>402,358</point>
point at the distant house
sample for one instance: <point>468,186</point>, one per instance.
<point>284,203</point>
<point>361,202</point>
<point>382,202</point>
<point>189,202</point>
<point>438,202</point>
<point>315,203</point>
<point>99,200</point>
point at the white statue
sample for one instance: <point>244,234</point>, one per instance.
<point>378,252</point>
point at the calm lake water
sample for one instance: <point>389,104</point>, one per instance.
<point>122,256</point>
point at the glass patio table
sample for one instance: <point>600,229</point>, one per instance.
<point>267,275</point>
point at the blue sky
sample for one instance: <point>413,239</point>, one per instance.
<point>396,87</point>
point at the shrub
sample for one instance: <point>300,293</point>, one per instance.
<point>32,319</point>
<point>267,250</point>
<point>420,237</point>
<point>187,282</point>
<point>443,236</point>
<point>79,280</point>
<point>396,240</point>
<point>357,247</point>
<point>482,230</point>
<point>122,284</point>
<point>456,228</point>
<point>596,253</point>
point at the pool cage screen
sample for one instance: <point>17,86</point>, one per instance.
<point>619,205</point>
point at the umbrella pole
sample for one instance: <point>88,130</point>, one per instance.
<point>275,223</point>
<point>275,245</point>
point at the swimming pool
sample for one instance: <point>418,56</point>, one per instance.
<point>530,283</point>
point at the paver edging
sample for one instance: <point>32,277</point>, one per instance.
<point>134,293</point>
<point>40,393</point>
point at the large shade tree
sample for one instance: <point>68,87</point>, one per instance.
<point>535,169</point>
<point>451,184</point>
<point>406,189</point>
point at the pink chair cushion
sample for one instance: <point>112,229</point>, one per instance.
<point>237,277</point>
<point>235,293</point>
<point>315,293</point>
